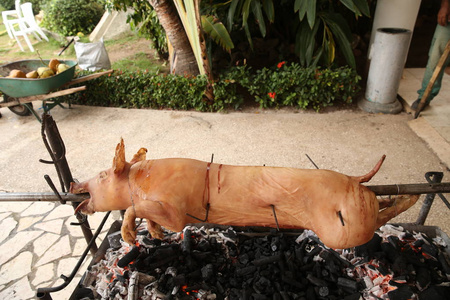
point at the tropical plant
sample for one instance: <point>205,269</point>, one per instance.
<point>319,29</point>
<point>243,9</point>
<point>69,17</point>
<point>321,26</point>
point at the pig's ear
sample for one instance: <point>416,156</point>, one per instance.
<point>119,159</point>
<point>140,155</point>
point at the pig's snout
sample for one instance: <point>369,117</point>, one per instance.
<point>78,188</point>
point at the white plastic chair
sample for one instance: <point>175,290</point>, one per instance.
<point>26,22</point>
<point>10,18</point>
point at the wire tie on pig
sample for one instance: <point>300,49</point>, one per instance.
<point>341,218</point>
<point>138,224</point>
<point>206,190</point>
<point>218,179</point>
<point>275,216</point>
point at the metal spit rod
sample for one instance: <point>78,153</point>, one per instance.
<point>379,190</point>
<point>42,197</point>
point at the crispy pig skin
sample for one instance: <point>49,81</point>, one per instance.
<point>171,192</point>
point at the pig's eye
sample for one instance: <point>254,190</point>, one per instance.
<point>103,175</point>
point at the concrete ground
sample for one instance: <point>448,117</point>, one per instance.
<point>37,243</point>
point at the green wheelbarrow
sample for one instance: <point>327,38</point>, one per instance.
<point>18,93</point>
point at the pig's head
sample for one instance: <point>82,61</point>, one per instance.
<point>109,190</point>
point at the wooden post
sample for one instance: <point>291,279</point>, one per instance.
<point>436,73</point>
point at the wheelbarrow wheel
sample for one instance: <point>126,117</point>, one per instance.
<point>21,110</point>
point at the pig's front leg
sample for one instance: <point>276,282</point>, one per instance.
<point>128,226</point>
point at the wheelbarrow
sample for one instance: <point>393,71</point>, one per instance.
<point>18,93</point>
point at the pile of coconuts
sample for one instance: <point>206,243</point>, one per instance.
<point>54,67</point>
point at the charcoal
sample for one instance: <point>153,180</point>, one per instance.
<point>275,243</point>
<point>400,266</point>
<point>114,240</point>
<point>244,258</point>
<point>204,246</point>
<point>389,251</point>
<point>316,281</point>
<point>423,278</point>
<point>274,266</point>
<point>435,293</point>
<point>292,282</point>
<point>403,292</point>
<point>347,283</point>
<point>245,271</point>
<point>430,249</point>
<point>444,263</point>
<point>395,242</point>
<point>418,243</point>
<point>354,296</point>
<point>186,244</point>
<point>311,293</point>
<point>322,291</point>
<point>180,280</point>
<point>257,296</point>
<point>129,257</point>
<point>267,260</point>
<point>207,271</point>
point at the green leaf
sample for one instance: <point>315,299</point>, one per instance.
<point>245,12</point>
<point>249,37</point>
<point>305,42</point>
<point>257,11</point>
<point>311,12</point>
<point>269,10</point>
<point>363,6</point>
<point>339,28</point>
<point>217,31</point>
<point>231,12</point>
<point>300,6</point>
<point>350,5</point>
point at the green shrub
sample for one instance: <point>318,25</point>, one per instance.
<point>275,87</point>
<point>293,85</point>
<point>7,4</point>
<point>68,17</point>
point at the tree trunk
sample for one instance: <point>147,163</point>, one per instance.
<point>184,62</point>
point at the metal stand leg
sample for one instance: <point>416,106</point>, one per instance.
<point>56,148</point>
<point>432,177</point>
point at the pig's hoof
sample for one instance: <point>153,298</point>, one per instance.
<point>155,230</point>
<point>128,234</point>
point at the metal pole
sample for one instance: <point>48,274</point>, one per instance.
<point>434,187</point>
<point>42,197</point>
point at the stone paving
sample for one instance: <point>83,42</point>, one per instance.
<point>41,245</point>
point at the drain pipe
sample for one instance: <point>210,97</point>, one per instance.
<point>389,52</point>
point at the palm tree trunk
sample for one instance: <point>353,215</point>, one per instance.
<point>184,62</point>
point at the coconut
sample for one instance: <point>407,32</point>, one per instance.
<point>53,64</point>
<point>17,74</point>
<point>32,74</point>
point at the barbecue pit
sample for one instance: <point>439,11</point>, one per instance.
<point>59,160</point>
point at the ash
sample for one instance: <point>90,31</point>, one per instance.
<point>213,263</point>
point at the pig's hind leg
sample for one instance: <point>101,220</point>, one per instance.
<point>154,229</point>
<point>400,204</point>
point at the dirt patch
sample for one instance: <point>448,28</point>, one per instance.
<point>129,50</point>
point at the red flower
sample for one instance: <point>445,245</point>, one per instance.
<point>272,95</point>
<point>280,64</point>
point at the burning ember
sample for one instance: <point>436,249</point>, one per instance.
<point>211,263</point>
